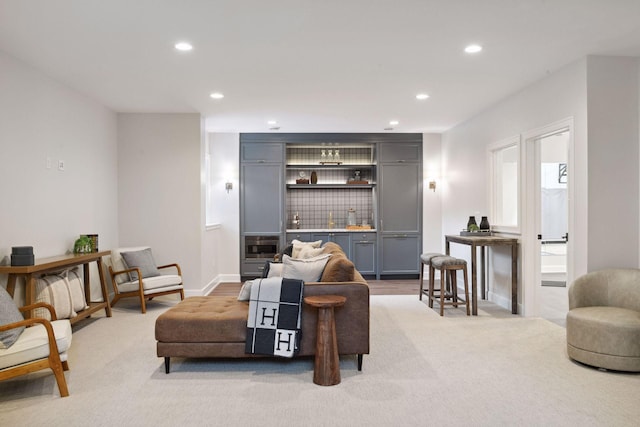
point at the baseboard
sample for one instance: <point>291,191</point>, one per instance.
<point>206,290</point>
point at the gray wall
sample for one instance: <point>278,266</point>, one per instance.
<point>47,208</point>
<point>160,190</point>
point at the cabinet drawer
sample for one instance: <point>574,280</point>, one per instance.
<point>363,237</point>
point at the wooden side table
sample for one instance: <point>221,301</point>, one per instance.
<point>327,362</point>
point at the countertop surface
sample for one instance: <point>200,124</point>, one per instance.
<point>328,230</point>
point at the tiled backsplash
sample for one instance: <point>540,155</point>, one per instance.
<point>313,156</point>
<point>313,206</point>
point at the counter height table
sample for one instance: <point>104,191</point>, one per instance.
<point>482,242</point>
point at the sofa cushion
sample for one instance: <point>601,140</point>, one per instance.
<point>9,313</point>
<point>210,319</point>
<point>245,291</point>
<point>307,270</point>
<point>338,269</point>
<point>143,260</point>
<point>298,245</point>
<point>309,252</point>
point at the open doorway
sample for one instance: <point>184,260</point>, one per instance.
<point>548,256</point>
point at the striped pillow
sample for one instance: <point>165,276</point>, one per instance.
<point>53,290</point>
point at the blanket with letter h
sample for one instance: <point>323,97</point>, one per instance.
<point>273,324</point>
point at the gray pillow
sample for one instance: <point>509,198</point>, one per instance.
<point>143,260</point>
<point>9,313</point>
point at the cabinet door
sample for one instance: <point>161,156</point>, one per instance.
<point>342,239</point>
<point>262,152</point>
<point>262,203</point>
<point>400,254</point>
<point>400,153</point>
<point>400,197</point>
<point>363,254</point>
<point>303,237</point>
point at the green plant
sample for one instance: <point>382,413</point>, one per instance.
<point>82,245</point>
<point>474,227</point>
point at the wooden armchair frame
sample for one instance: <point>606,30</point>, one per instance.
<point>52,361</point>
<point>140,291</point>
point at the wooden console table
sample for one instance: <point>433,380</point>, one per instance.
<point>57,263</point>
<point>482,242</point>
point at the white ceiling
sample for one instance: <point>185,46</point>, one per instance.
<point>312,65</point>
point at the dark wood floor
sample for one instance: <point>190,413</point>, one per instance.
<point>376,287</point>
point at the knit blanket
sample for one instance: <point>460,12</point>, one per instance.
<point>273,324</point>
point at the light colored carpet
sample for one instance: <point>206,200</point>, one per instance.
<point>491,370</point>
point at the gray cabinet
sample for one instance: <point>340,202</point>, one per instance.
<point>363,252</point>
<point>261,199</point>
<point>303,237</point>
<point>342,239</point>
<point>261,193</point>
<point>400,213</point>
<point>400,253</point>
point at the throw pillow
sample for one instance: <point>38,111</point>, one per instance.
<point>298,245</point>
<point>76,289</point>
<point>310,252</point>
<point>245,291</point>
<point>142,260</point>
<point>275,270</point>
<point>9,313</point>
<point>53,290</point>
<point>307,270</point>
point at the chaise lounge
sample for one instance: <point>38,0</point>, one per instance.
<point>216,326</point>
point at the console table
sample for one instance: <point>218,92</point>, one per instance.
<point>57,263</point>
<point>482,242</point>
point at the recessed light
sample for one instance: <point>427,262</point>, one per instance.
<point>217,95</point>
<point>272,122</point>
<point>473,48</point>
<point>422,96</point>
<point>183,46</point>
<point>394,122</point>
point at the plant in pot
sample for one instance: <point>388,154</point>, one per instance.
<point>83,245</point>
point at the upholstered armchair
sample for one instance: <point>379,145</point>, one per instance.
<point>603,323</point>
<point>134,273</point>
<point>29,345</point>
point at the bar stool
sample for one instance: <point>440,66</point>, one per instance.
<point>448,265</point>
<point>425,259</point>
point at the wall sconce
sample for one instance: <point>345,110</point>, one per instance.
<point>432,185</point>
<point>228,186</point>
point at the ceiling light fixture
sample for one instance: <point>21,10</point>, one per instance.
<point>183,46</point>
<point>422,96</point>
<point>473,48</point>
<point>394,122</point>
<point>272,122</point>
<point>216,95</point>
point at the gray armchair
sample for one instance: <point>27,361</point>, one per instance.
<point>603,323</point>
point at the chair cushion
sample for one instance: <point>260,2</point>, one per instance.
<point>33,344</point>
<point>143,260</point>
<point>444,261</point>
<point>153,284</point>
<point>605,330</point>
<point>426,258</point>
<point>9,313</point>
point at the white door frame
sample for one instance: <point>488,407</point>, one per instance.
<point>530,210</point>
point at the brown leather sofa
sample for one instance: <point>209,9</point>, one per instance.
<point>215,326</point>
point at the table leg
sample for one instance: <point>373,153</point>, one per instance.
<point>87,282</point>
<point>327,362</point>
<point>474,282</point>
<point>11,284</point>
<point>29,292</point>
<point>103,285</point>
<point>483,262</point>
<point>514,278</point>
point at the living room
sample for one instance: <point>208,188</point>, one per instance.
<point>74,165</point>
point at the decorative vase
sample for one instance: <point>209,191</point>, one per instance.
<point>484,224</point>
<point>314,177</point>
<point>472,221</point>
